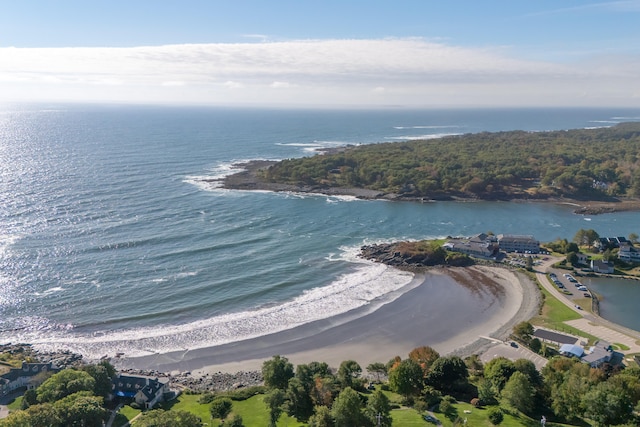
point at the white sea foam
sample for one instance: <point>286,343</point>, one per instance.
<point>427,127</point>
<point>418,137</point>
<point>369,284</point>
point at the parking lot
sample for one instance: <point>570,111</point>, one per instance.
<point>506,350</point>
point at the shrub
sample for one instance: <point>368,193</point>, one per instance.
<point>475,402</point>
<point>495,416</point>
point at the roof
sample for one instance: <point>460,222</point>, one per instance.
<point>554,336</point>
<point>572,350</point>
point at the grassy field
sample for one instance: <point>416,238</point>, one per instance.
<point>555,313</point>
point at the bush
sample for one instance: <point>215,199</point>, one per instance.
<point>206,398</point>
<point>495,416</point>
<point>245,393</point>
<point>475,402</point>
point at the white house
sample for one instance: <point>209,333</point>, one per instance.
<point>629,253</point>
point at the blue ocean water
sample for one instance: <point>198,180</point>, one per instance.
<point>113,239</point>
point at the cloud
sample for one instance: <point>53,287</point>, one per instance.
<point>408,71</point>
<point>233,85</point>
<point>282,85</point>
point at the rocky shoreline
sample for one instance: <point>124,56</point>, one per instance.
<point>247,178</point>
<point>208,382</point>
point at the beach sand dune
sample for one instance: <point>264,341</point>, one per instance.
<point>452,310</point>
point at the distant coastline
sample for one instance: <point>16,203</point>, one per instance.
<point>248,179</point>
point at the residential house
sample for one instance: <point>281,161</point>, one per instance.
<point>29,376</point>
<point>600,266</point>
<point>582,258</point>
<point>629,253</point>
<point>605,243</point>
<point>145,391</point>
<point>518,243</point>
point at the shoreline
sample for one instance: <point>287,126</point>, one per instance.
<point>491,299</point>
<point>248,180</point>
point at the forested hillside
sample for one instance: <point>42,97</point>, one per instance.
<point>584,163</point>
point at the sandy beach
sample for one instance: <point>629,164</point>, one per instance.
<point>453,310</point>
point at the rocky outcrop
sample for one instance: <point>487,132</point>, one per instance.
<point>397,255</point>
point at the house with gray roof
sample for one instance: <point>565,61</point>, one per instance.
<point>600,353</point>
<point>29,376</point>
<point>601,266</point>
<point>145,391</point>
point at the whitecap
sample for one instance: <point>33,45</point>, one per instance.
<point>368,284</point>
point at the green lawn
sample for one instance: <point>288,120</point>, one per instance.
<point>555,313</point>
<point>253,411</point>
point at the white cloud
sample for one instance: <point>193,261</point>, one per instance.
<point>282,85</point>
<point>173,83</point>
<point>412,72</point>
<point>233,85</point>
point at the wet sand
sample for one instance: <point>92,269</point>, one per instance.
<point>448,309</point>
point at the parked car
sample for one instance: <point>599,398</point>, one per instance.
<point>431,419</point>
<point>587,294</point>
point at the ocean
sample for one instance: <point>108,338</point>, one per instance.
<point>113,239</point>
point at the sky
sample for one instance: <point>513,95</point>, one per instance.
<point>329,53</point>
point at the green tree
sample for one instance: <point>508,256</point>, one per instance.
<point>607,405</point>
<point>585,237</point>
<point>274,401</point>
<point>529,263</point>
<point>276,372</point>
<point>633,237</point>
<point>348,371</point>
<point>236,421</point>
<point>81,409</point>
<point>29,398</point>
<point>321,418</point>
<point>498,371</point>
<point>347,409</point>
<point>299,401</point>
<point>535,345</point>
<point>448,374</point>
<point>44,415</point>
<point>159,417</point>
<point>523,331</point>
<point>103,374</point>
<point>446,405</point>
<point>406,378</point>
<point>220,407</point>
<point>474,364</point>
<point>519,393</point>
<point>572,258</point>
<point>486,392</point>
<point>16,419</point>
<point>378,409</point>
<point>65,383</point>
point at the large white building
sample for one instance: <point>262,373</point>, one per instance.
<point>518,243</point>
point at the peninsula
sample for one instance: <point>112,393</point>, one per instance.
<point>595,169</point>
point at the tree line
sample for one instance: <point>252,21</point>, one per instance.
<point>592,163</point>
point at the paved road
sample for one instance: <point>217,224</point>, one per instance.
<point>589,323</point>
